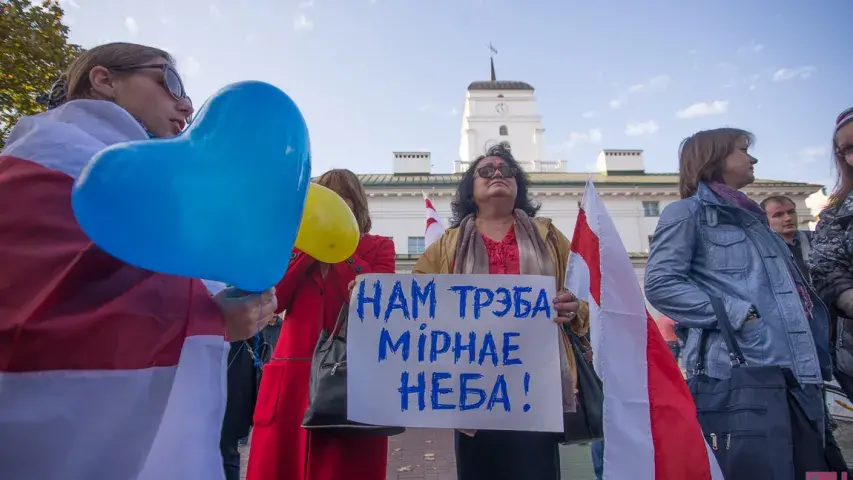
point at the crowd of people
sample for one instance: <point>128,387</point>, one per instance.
<point>784,290</point>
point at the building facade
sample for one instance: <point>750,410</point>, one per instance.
<point>505,111</point>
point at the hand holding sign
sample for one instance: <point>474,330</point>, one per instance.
<point>566,305</point>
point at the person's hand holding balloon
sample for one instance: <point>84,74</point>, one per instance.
<point>245,313</point>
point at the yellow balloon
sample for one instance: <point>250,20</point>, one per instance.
<point>329,230</point>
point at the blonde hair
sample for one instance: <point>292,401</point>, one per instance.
<point>75,84</point>
<point>346,184</point>
<point>701,156</point>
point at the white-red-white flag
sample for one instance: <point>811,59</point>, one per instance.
<point>650,427</point>
<point>107,371</point>
<point>434,224</point>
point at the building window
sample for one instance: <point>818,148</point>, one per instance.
<point>651,209</point>
<point>503,131</point>
<point>416,245</point>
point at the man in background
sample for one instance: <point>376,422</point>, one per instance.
<point>782,215</point>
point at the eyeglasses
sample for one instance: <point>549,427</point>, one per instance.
<point>488,171</point>
<point>171,81</point>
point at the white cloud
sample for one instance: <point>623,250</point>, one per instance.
<point>753,47</point>
<point>453,112</point>
<point>784,74</point>
<point>215,12</point>
<point>130,25</point>
<point>424,107</point>
<point>306,4</point>
<point>704,109</point>
<point>252,38</point>
<point>644,128</point>
<point>190,67</point>
<point>589,114</point>
<point>812,154</point>
<point>654,84</point>
<point>301,23</point>
<point>593,135</point>
<point>69,3</point>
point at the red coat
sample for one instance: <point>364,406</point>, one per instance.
<point>281,449</point>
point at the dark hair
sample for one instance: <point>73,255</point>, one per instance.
<point>780,199</point>
<point>701,156</point>
<point>346,184</point>
<point>463,203</point>
<point>844,172</point>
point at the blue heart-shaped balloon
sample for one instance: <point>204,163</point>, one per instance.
<point>222,201</point>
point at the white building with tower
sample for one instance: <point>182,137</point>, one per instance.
<point>505,111</point>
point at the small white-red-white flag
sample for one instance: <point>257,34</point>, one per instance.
<point>650,427</point>
<point>434,224</point>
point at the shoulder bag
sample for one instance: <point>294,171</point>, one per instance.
<point>327,392</point>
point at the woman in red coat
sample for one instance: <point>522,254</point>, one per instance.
<point>313,294</point>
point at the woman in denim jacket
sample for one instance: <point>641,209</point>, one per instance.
<point>716,241</point>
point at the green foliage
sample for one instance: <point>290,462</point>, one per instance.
<point>34,50</point>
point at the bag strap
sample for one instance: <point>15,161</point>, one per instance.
<point>724,326</point>
<point>340,329</point>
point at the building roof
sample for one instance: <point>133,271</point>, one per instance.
<point>389,180</point>
<point>500,85</point>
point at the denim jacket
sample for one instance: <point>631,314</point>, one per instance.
<point>703,246</point>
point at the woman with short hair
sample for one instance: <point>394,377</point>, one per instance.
<point>716,241</point>
<point>495,231</point>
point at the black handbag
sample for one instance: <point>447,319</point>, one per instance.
<point>586,423</point>
<point>327,392</point>
<point>746,418</point>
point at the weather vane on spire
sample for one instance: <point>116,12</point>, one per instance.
<point>494,52</point>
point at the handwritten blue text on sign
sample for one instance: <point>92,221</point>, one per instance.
<point>457,351</point>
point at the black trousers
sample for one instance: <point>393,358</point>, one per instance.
<point>507,455</point>
<point>230,458</point>
<point>811,452</point>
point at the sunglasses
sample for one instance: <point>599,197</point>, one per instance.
<point>488,171</point>
<point>170,80</point>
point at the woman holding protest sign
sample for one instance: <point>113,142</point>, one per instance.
<point>313,294</point>
<point>495,232</point>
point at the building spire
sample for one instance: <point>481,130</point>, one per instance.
<point>493,52</point>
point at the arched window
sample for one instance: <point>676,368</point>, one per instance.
<point>503,131</point>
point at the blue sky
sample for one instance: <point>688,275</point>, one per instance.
<point>375,76</point>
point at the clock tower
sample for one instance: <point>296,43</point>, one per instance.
<point>498,111</point>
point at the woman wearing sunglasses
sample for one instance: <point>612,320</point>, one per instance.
<point>99,360</point>
<point>495,231</point>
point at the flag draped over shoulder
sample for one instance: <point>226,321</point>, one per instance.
<point>107,371</point>
<point>650,427</point>
<point>434,224</point>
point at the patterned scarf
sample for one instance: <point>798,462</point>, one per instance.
<point>533,258</point>
<point>739,199</point>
